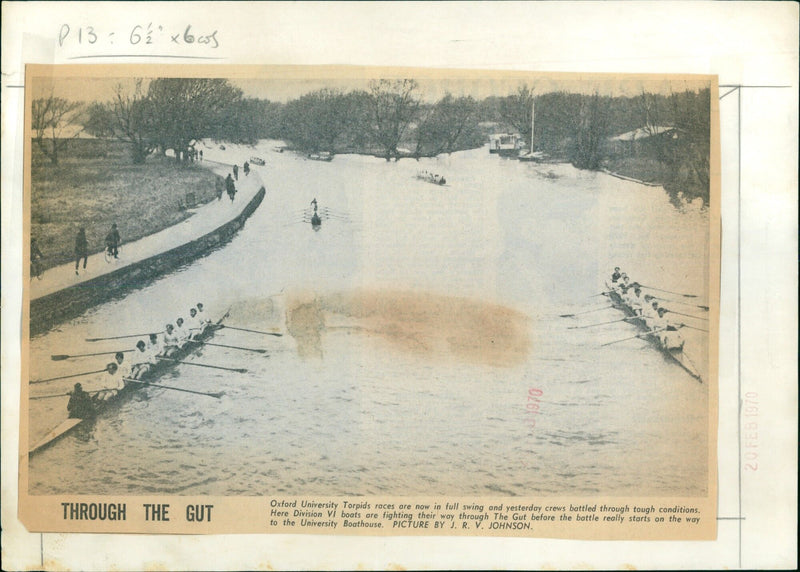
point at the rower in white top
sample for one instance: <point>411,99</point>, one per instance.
<point>649,310</point>
<point>635,300</point>
<point>181,332</point>
<point>669,335</point>
<point>147,356</point>
<point>193,326</point>
<point>202,319</point>
<point>171,342</point>
<point>119,369</point>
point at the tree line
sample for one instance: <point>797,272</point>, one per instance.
<point>392,119</point>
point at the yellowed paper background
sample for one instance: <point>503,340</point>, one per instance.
<point>432,49</point>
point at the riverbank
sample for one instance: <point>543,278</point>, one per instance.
<point>679,184</point>
<point>62,293</point>
<point>96,184</point>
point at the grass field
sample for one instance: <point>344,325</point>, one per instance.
<point>96,184</point>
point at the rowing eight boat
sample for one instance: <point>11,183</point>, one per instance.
<point>153,374</point>
<point>676,354</point>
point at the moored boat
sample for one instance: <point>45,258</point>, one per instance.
<point>675,354</point>
<point>531,155</point>
<point>321,156</point>
<point>504,144</point>
<point>152,375</point>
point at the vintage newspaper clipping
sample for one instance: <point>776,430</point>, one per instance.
<point>370,301</point>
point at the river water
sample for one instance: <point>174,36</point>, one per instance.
<point>418,320</point>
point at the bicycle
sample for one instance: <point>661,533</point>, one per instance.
<point>111,253</point>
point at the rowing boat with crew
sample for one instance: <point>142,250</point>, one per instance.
<point>131,385</point>
<point>673,352</point>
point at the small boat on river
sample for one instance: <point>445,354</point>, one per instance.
<point>151,376</point>
<point>431,178</point>
<point>675,354</point>
<point>504,144</point>
<point>321,156</point>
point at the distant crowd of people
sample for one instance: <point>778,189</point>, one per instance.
<point>228,185</point>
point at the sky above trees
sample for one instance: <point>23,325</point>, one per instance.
<point>433,84</point>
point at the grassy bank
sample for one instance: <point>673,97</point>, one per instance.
<point>679,183</point>
<point>96,184</point>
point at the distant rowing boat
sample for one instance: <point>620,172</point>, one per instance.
<point>431,178</point>
<point>155,372</point>
<point>675,354</point>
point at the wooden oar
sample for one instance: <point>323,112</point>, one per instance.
<point>107,368</point>
<point>688,315</point>
<point>121,337</point>
<point>668,291</point>
<point>237,370</point>
<point>215,395</point>
<point>682,303</point>
<point>257,350</point>
<point>253,331</point>
<point>636,336</point>
<point>693,327</point>
<point>586,312</point>
<point>601,323</point>
<point>66,394</point>
<point>62,357</point>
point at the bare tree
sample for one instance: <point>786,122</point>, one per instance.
<point>592,130</point>
<point>515,110</point>
<point>185,109</point>
<point>394,107</point>
<point>52,122</point>
<point>649,106</point>
<point>447,126</point>
<point>100,121</point>
<point>134,121</point>
<point>317,120</point>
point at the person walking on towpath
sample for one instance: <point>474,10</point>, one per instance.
<point>112,241</point>
<point>219,187</point>
<point>81,248</point>
<point>36,256</point>
<point>246,167</point>
<point>236,172</point>
<point>230,187</point>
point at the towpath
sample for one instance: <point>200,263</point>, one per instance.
<point>204,219</point>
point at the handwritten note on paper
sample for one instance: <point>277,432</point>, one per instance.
<point>137,39</point>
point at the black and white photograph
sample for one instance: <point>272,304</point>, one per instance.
<point>391,285</point>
